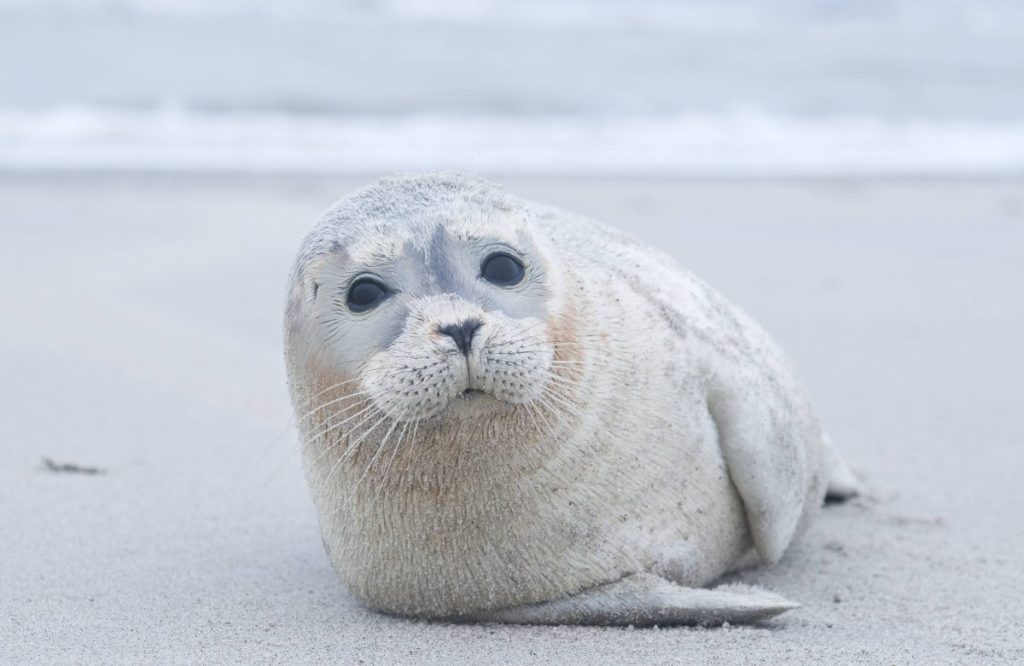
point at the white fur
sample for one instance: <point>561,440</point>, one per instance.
<point>642,426</point>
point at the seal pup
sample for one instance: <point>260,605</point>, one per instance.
<point>512,413</point>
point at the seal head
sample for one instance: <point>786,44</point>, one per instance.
<point>439,309</point>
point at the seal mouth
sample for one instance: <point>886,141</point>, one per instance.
<point>473,403</point>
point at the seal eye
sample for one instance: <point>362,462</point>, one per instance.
<point>502,269</point>
<point>364,294</point>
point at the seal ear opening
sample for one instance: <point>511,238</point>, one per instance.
<point>310,281</point>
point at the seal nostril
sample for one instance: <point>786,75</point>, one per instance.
<point>462,333</point>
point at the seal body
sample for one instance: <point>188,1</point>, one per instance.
<point>592,443</point>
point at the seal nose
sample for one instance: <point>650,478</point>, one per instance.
<point>462,333</point>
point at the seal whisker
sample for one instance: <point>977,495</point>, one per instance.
<point>340,441</point>
<point>546,410</point>
<point>644,410</point>
<point>522,333</point>
<point>376,454</point>
<point>555,400</point>
<point>370,464</point>
<point>374,411</point>
<point>314,436</point>
<point>538,410</point>
<point>331,387</point>
<point>351,448</point>
<point>553,397</point>
<point>529,409</point>
<point>398,444</point>
<point>347,396</point>
<point>332,427</point>
<point>566,382</point>
<point>543,409</point>
<point>293,421</point>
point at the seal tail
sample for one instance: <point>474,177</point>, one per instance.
<point>648,600</point>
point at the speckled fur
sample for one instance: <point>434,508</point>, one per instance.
<point>647,428</point>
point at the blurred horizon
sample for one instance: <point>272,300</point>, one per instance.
<point>736,87</point>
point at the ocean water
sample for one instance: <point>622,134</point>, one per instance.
<point>733,87</point>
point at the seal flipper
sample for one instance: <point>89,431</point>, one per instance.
<point>843,484</point>
<point>644,600</point>
<point>766,462</point>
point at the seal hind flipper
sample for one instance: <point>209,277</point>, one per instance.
<point>645,600</point>
<point>843,483</point>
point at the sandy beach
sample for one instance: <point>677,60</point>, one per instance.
<point>141,341</point>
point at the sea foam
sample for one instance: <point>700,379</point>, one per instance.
<point>744,143</point>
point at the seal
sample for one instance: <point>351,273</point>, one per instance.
<point>512,413</point>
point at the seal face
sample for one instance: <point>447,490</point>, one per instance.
<point>512,413</point>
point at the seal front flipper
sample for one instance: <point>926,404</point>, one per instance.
<point>646,600</point>
<point>763,450</point>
